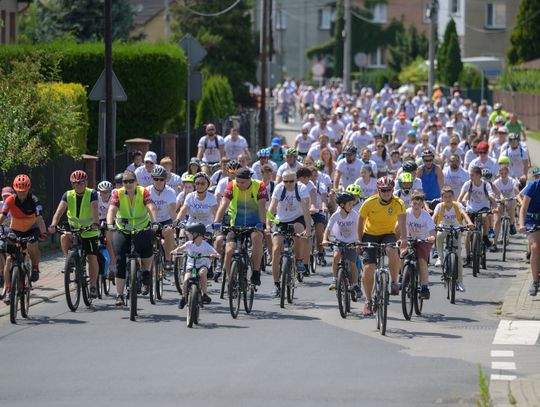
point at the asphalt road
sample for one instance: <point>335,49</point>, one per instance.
<point>305,354</point>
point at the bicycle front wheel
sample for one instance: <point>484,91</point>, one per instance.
<point>14,295</point>
<point>285,269</point>
<point>504,232</point>
<point>383,302</point>
<point>453,275</point>
<point>178,267</point>
<point>193,306</point>
<point>25,292</point>
<point>418,302</point>
<point>407,297</point>
<point>84,282</point>
<point>476,253</point>
<point>133,287</point>
<point>235,294</point>
<point>342,292</point>
<point>71,282</point>
<point>153,281</point>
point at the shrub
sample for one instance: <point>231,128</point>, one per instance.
<point>416,73</point>
<point>216,101</point>
<point>520,80</point>
<point>471,77</point>
<point>376,78</point>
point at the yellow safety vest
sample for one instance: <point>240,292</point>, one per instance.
<point>132,216</point>
<point>85,218</point>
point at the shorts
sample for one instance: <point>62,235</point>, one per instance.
<point>302,154</point>
<point>369,255</point>
<point>422,250</point>
<point>473,214</point>
<point>166,222</point>
<point>90,245</point>
<point>283,225</point>
<point>34,232</point>
<point>231,237</point>
<point>349,253</point>
<point>318,217</point>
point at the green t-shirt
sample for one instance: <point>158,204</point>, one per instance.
<point>514,128</point>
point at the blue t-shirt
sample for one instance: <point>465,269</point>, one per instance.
<point>277,156</point>
<point>532,190</point>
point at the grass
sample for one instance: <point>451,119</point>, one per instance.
<point>534,134</point>
<point>484,399</point>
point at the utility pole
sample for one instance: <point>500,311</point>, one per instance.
<point>110,140</point>
<point>264,46</point>
<point>432,15</point>
<point>347,48</point>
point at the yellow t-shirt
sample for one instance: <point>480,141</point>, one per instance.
<point>381,219</point>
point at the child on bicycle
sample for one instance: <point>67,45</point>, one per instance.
<point>342,225</point>
<point>196,246</point>
<point>450,213</point>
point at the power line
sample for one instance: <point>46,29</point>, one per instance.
<point>219,13</point>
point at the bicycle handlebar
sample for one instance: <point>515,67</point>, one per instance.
<point>17,239</point>
<point>451,228</point>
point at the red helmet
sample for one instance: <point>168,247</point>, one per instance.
<point>385,182</point>
<point>22,183</point>
<point>78,176</point>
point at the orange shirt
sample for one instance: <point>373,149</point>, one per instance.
<point>23,213</point>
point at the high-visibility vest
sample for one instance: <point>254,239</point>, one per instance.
<point>85,217</point>
<point>132,216</point>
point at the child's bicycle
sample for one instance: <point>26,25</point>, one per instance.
<point>194,293</point>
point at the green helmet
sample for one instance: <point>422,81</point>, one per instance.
<point>504,159</point>
<point>319,164</point>
<point>405,177</point>
<point>354,189</point>
<point>188,178</point>
<point>292,151</point>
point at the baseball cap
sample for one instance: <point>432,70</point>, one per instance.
<point>502,129</point>
<point>150,156</point>
<point>441,110</point>
<point>339,110</point>
<point>363,125</point>
<point>482,147</point>
<point>311,116</point>
<point>276,142</point>
<point>449,125</point>
<point>243,173</point>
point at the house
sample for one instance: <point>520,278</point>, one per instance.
<point>9,10</point>
<point>151,20</point>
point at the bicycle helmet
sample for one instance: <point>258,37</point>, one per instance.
<point>344,197</point>
<point>196,229</point>
<point>409,166</point>
<point>487,174</point>
<point>411,132</point>
<point>319,164</point>
<point>350,149</point>
<point>187,178</point>
<point>536,171</point>
<point>504,160</point>
<point>22,183</point>
<point>292,151</point>
<point>202,175</point>
<point>118,178</point>
<point>263,153</point>
<point>427,153</point>
<point>405,177</point>
<point>354,189</point>
<point>513,137</point>
<point>159,172</point>
<point>105,186</point>
<point>233,166</point>
<point>385,182</point>
<point>78,176</point>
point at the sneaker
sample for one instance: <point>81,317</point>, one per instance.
<point>256,277</point>
<point>424,293</point>
<point>182,302</point>
<point>513,230</point>
<point>467,262</point>
<point>367,311</point>
<point>168,265</point>
<point>321,260</point>
<point>206,299</point>
<point>438,263</point>
<point>491,233</point>
<point>217,275</point>
<point>460,287</point>
<point>332,286</point>
<point>301,268</point>
<point>533,289</point>
<point>6,297</point>
<point>146,281</point>
<point>357,292</point>
<point>35,275</point>
<point>487,242</point>
<point>394,288</point>
<point>493,249</point>
<point>275,292</point>
<point>435,253</point>
<point>120,301</point>
<point>93,292</point>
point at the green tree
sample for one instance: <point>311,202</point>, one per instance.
<point>453,66</point>
<point>408,46</point>
<point>442,52</point>
<point>83,20</point>
<point>525,39</point>
<point>228,38</point>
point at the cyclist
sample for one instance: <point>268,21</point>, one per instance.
<point>232,167</point>
<point>320,217</point>
<point>348,168</point>
<point>137,160</point>
<point>303,174</point>
<point>303,142</point>
<point>234,145</point>
<point>26,221</point>
<point>164,198</point>
<point>81,204</point>
<point>200,205</point>
<point>6,193</point>
<point>519,158</point>
<point>263,156</point>
<point>405,185</point>
<point>187,188</point>
<point>291,163</point>
<point>210,148</point>
<point>357,192</point>
<point>377,221</point>
<point>432,179</point>
<point>105,189</point>
<point>450,213</point>
<point>290,201</point>
<point>144,172</point>
<point>131,210</point>
<point>222,172</point>
<point>484,160</point>
<point>118,180</point>
<point>276,151</point>
<point>529,217</point>
<point>244,199</point>
<point>342,225</point>
<point>173,180</point>
<point>367,181</point>
<point>196,246</point>
<point>508,188</point>
<point>421,226</point>
<point>488,176</point>
<point>454,174</point>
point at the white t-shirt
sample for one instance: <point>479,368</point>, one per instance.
<point>349,171</point>
<point>449,217</point>
<point>368,189</point>
<point>103,207</point>
<point>507,190</point>
<point>315,151</point>
<point>211,148</point>
<point>408,147</point>
<point>443,140</point>
<point>285,166</point>
<point>316,131</point>
<point>491,164</point>
<point>233,148</point>
<point>344,228</point>
<point>477,196</point>
<point>321,189</point>
<point>180,199</point>
<point>325,179</point>
<point>200,211</point>
<point>204,249</point>
<point>419,228</point>
<point>144,178</point>
<point>221,185</point>
<point>455,179</point>
<point>162,200</point>
<point>174,181</point>
<point>289,208</point>
<point>401,130</point>
<point>257,168</point>
<point>360,140</point>
<point>516,159</point>
<point>447,152</point>
<point>420,147</point>
<point>470,156</point>
<point>304,144</point>
<point>216,177</point>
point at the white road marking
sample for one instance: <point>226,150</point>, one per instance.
<point>503,365</point>
<point>505,377</point>
<point>517,333</point>
<point>502,353</point>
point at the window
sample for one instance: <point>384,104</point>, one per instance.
<point>325,18</point>
<point>427,13</point>
<point>454,6</point>
<point>379,13</point>
<point>496,15</point>
<point>281,20</point>
<point>377,59</point>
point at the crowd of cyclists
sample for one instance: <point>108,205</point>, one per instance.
<point>367,168</point>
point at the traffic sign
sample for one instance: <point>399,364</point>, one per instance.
<point>193,49</point>
<point>98,91</point>
<point>360,60</point>
<point>318,69</point>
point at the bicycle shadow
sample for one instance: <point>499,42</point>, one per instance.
<point>262,315</point>
<point>404,334</point>
<point>437,317</point>
<point>467,301</point>
<point>156,318</point>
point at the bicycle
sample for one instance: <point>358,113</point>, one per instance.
<point>478,248</point>
<point>157,274</point>
<point>381,293</point>
<point>194,292</point>
<point>239,286</point>
<point>313,260</point>
<point>450,264</point>
<point>104,282</point>
<point>344,291</point>
<point>410,281</point>
<point>287,266</point>
<point>76,276</point>
<point>505,225</point>
<point>179,259</point>
<point>19,274</point>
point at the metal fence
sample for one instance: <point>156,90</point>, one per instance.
<point>525,105</point>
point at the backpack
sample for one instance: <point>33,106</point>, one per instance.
<point>485,188</point>
<point>206,142</point>
<point>456,210</point>
<point>284,192</point>
<point>508,148</point>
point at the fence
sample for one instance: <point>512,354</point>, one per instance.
<point>525,105</point>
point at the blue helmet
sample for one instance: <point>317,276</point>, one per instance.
<point>263,153</point>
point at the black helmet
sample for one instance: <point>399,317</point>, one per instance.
<point>118,178</point>
<point>202,175</point>
<point>344,197</point>
<point>409,166</point>
<point>319,164</point>
<point>196,229</point>
<point>233,166</point>
<point>350,149</point>
<point>159,172</point>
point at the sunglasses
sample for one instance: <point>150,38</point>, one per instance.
<point>289,181</point>
<point>428,161</point>
<point>158,179</point>
<point>380,146</point>
<point>78,182</point>
<point>384,190</point>
<point>128,181</point>
<point>482,152</point>
<point>201,183</point>
<point>453,144</point>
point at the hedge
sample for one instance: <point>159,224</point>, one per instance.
<point>153,76</point>
<point>376,77</point>
<point>217,100</point>
<point>520,80</point>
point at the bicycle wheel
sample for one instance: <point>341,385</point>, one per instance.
<point>483,257</point>
<point>25,292</point>
<point>418,302</point>
<point>383,302</point>
<point>342,291</point>
<point>223,284</point>
<point>193,306</point>
<point>14,294</point>
<point>407,297</point>
<point>313,255</point>
<point>84,281</point>
<point>291,284</point>
<point>249,295</point>
<point>160,277</point>
<point>453,276</point>
<point>153,282</point>
<point>105,284</point>
<point>133,284</point>
<point>235,294</point>
<point>475,254</point>
<point>71,282</point>
<point>504,233</point>
<point>284,270</point>
<point>178,267</point>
